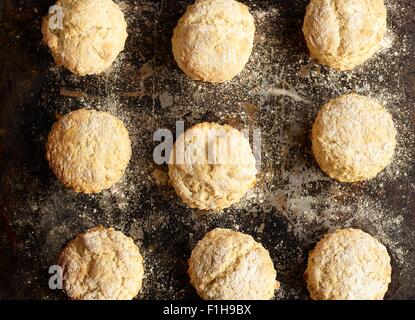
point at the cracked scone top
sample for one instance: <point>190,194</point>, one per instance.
<point>344,34</point>
<point>88,150</point>
<point>348,264</point>
<point>353,138</point>
<point>101,264</point>
<point>230,265</point>
<point>213,40</point>
<point>93,33</point>
<point>212,166</point>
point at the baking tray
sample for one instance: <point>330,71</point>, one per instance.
<point>280,92</point>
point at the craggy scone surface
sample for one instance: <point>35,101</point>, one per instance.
<point>88,150</point>
<point>213,40</point>
<point>230,265</point>
<point>353,138</point>
<point>348,264</point>
<point>93,33</point>
<point>101,264</point>
<point>344,34</point>
<point>212,166</point>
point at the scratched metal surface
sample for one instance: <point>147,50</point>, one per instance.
<point>279,91</point>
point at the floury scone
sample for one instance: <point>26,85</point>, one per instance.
<point>353,138</point>
<point>212,166</point>
<point>213,40</point>
<point>101,264</point>
<point>92,34</point>
<point>88,150</point>
<point>343,34</point>
<point>348,264</point>
<point>230,265</point>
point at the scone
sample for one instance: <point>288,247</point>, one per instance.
<point>344,34</point>
<point>93,33</point>
<point>353,138</point>
<point>101,264</point>
<point>348,264</point>
<point>213,40</point>
<point>230,265</point>
<point>88,150</point>
<point>212,166</point>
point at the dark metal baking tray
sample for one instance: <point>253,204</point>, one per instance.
<point>280,92</point>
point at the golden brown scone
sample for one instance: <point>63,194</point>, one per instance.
<point>88,150</point>
<point>213,40</point>
<point>344,34</point>
<point>353,138</point>
<point>93,34</point>
<point>348,264</point>
<point>101,264</point>
<point>212,166</point>
<point>230,265</point>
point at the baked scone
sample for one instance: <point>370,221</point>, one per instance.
<point>101,264</point>
<point>88,150</point>
<point>213,40</point>
<point>353,138</point>
<point>93,33</point>
<point>230,265</point>
<point>212,166</point>
<point>344,34</point>
<point>348,264</point>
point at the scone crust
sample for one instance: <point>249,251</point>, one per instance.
<point>343,34</point>
<point>348,264</point>
<point>230,265</point>
<point>93,34</point>
<point>102,264</point>
<point>88,150</point>
<point>353,138</point>
<point>203,184</point>
<point>213,40</point>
